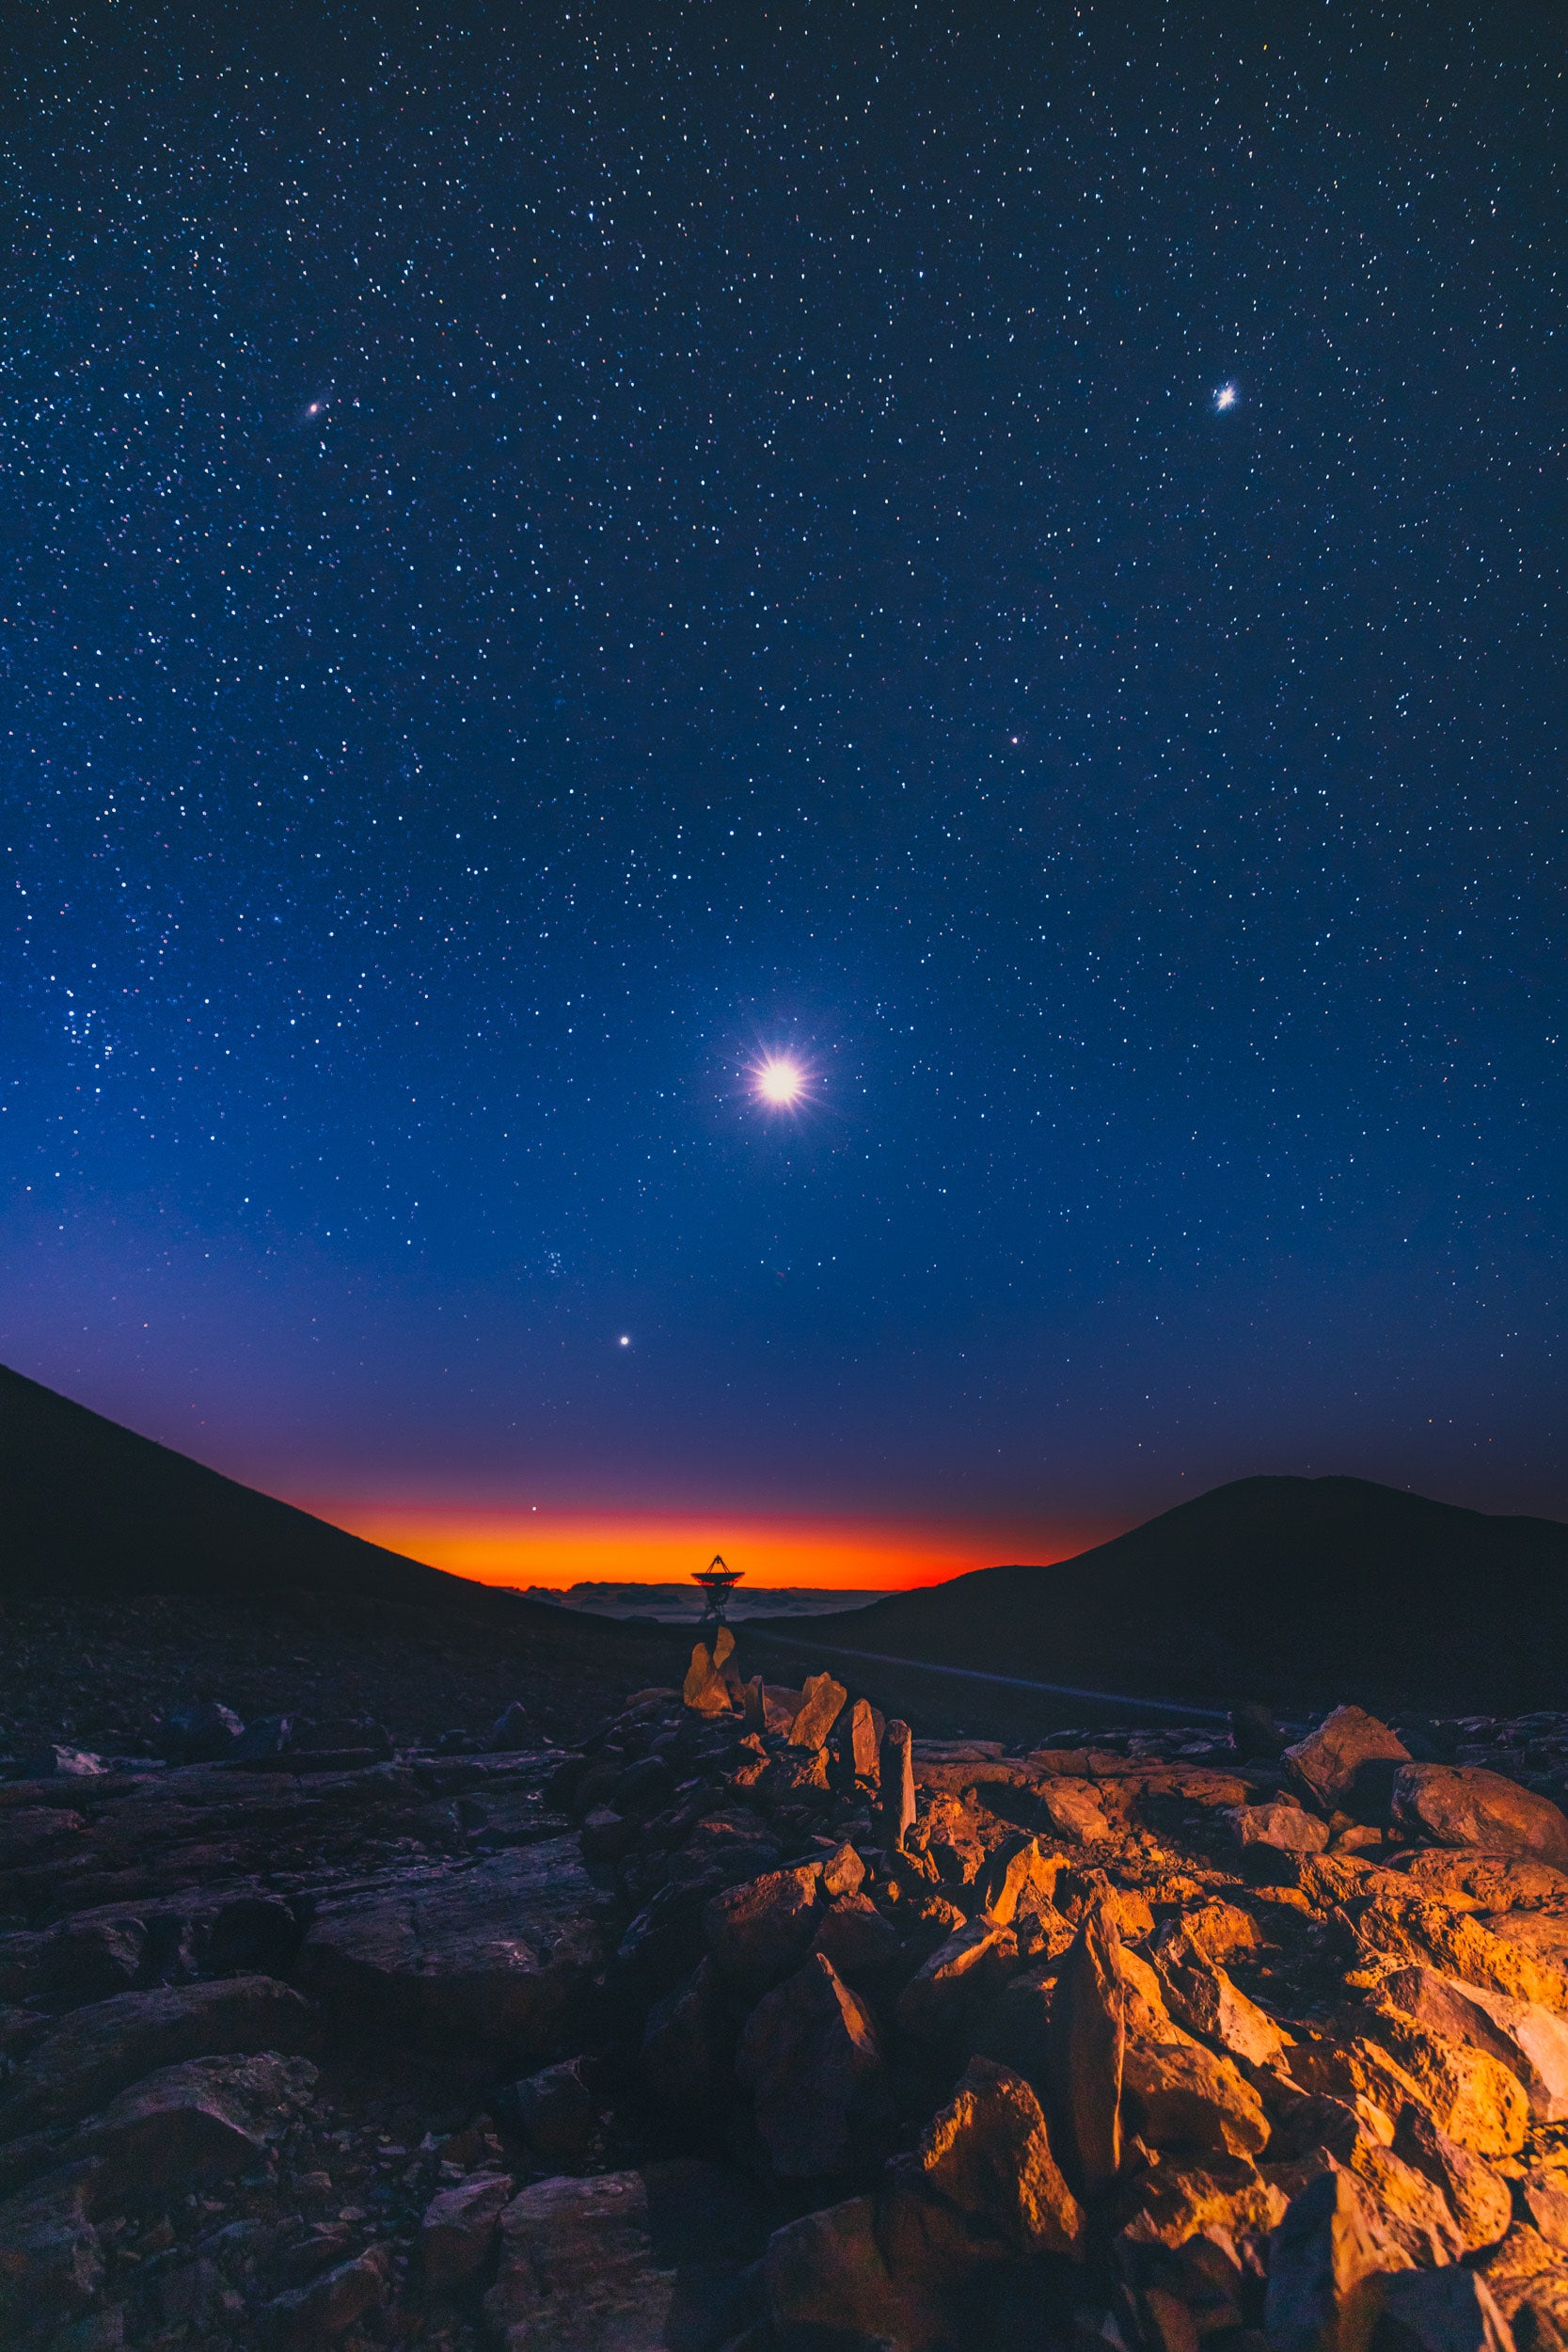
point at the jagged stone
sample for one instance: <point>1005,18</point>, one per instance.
<point>759,1931</point>
<point>949,1987</point>
<point>458,2229</point>
<point>1471,2095</point>
<point>1441,2311</point>
<point>989,2154</point>
<point>706,1691</point>
<point>1465,1805</point>
<point>1479,2201</point>
<point>556,2112</point>
<point>1330,1763</point>
<point>856,1939</point>
<point>1075,1810</point>
<point>898,1811</point>
<point>1532,2042</point>
<point>313,2316</point>
<point>805,2055</point>
<point>830,2285</point>
<point>1325,2263</point>
<point>863,1741</point>
<point>50,2264</point>
<point>1478,1878</point>
<point>624,2262</point>
<point>1202,1999</point>
<point>1284,1827</point>
<point>688,2054</point>
<point>202,2121</point>
<point>822,1702</point>
<point>1181,2096</point>
<point>1087,2046</point>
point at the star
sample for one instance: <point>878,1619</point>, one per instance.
<point>1226,396</point>
<point>779,1082</point>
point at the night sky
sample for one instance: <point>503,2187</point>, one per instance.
<point>1011,557</point>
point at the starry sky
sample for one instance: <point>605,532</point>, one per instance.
<point>1012,558</point>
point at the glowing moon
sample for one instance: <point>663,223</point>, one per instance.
<point>780,1083</point>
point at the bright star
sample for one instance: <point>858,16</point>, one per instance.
<point>779,1082</point>
<point>1227,397</point>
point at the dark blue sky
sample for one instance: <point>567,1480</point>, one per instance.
<point>542,554</point>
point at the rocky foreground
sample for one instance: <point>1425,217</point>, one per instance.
<point>756,2024</point>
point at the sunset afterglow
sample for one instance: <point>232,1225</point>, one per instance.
<point>558,1548</point>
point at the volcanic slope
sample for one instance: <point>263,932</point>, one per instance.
<point>1297,1591</point>
<point>88,1506</point>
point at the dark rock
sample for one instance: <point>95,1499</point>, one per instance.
<point>1465,1805</point>
<point>688,2056</point>
<point>95,2052</point>
<point>642,1789</point>
<point>202,2121</point>
<point>201,1733</point>
<point>856,1939</point>
<point>512,1729</point>
<point>807,2051</point>
<point>350,1735</point>
<point>556,2112</point>
<point>458,2229</point>
<point>1440,2311</point>
<point>759,1931</point>
<point>950,1987</point>
<point>829,2288</point>
<point>267,1738</point>
<point>59,1763</point>
<point>1326,1765</point>
<point>498,1954</point>
<point>316,2316</point>
<point>625,2262</point>
<point>605,1834</point>
<point>1255,1733</point>
<point>1477,2198</point>
<point>50,2263</point>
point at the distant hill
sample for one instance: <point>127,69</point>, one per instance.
<point>87,1506</point>
<point>1298,1591</point>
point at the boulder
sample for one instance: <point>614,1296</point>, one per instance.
<point>203,2121</point>
<point>1545,2199</point>
<point>1029,1878</point>
<point>1532,2042</point>
<point>1478,1878</point>
<point>688,2054</point>
<point>512,1729</point>
<point>1087,2047</point>
<point>1469,2094</point>
<point>1441,2311</point>
<point>458,2230</point>
<point>1331,1765</point>
<point>1326,2259</point>
<point>829,2288</point>
<point>1284,1827</point>
<point>822,1702</point>
<point>806,2053</point>
<point>856,1939</point>
<point>498,1954</point>
<point>624,2262</point>
<point>312,2317</point>
<point>989,2155</point>
<point>1180,2096</point>
<point>759,1931</point>
<point>95,2052</point>
<point>843,1873</point>
<point>51,2267</point>
<point>1075,1811</point>
<point>1462,1805</point>
<point>949,1987</point>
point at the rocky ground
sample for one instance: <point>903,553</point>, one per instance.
<point>743,2021</point>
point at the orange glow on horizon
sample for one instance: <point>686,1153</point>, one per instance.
<point>558,1548</point>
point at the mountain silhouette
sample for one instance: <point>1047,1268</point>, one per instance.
<point>88,1506</point>
<point>1298,1591</point>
